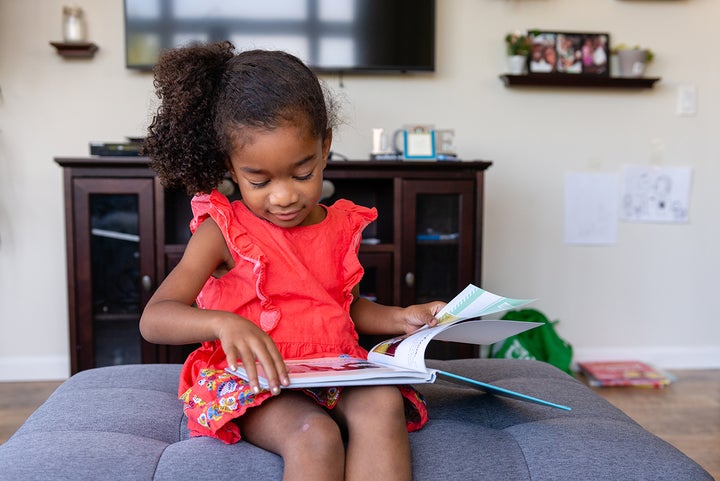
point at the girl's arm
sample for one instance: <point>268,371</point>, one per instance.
<point>372,318</point>
<point>170,317</point>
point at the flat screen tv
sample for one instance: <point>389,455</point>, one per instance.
<point>329,35</point>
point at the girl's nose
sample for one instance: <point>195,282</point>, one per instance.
<point>283,195</point>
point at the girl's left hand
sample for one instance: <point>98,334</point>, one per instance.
<point>419,315</point>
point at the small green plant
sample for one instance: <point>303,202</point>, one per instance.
<point>623,46</point>
<point>517,43</point>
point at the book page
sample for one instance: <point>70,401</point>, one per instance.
<point>475,302</point>
<point>408,351</point>
<point>485,331</point>
<point>339,371</point>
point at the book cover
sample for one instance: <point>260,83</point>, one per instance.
<point>623,373</point>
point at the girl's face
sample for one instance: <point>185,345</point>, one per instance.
<point>279,173</point>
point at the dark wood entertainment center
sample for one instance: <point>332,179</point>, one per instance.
<point>125,232</point>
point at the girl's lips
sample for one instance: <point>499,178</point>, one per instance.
<point>285,216</point>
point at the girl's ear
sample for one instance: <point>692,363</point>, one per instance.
<point>232,172</point>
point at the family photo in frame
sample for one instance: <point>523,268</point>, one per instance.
<point>573,53</point>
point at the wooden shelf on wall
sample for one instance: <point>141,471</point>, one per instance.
<point>75,49</point>
<point>569,80</point>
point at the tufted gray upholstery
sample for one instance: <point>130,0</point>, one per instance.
<point>125,422</point>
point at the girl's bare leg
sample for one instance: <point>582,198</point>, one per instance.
<point>378,444</point>
<point>303,433</point>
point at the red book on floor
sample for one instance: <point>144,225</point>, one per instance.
<point>623,373</point>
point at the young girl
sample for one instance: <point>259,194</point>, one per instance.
<point>275,276</point>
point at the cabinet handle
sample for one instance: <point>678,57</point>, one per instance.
<point>410,279</point>
<point>146,282</point>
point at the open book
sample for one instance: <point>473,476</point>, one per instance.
<point>401,360</point>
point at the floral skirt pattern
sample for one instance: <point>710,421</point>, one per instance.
<point>218,397</point>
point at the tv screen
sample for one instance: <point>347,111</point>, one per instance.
<point>329,35</point>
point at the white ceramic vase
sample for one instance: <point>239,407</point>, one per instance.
<point>632,62</point>
<point>517,64</point>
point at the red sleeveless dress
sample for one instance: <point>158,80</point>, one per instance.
<point>295,284</point>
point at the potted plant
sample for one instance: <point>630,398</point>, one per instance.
<point>518,47</point>
<point>632,60</point>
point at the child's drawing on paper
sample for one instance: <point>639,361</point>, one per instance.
<point>655,194</point>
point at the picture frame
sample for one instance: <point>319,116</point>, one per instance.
<point>419,143</point>
<point>569,53</point>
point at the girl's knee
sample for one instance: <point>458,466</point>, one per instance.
<point>390,399</point>
<point>313,446</point>
<point>379,403</point>
<point>317,432</point>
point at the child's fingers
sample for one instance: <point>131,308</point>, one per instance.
<point>436,307</point>
<point>274,367</point>
<point>280,366</point>
<point>270,373</point>
<point>231,359</point>
<point>248,360</point>
<point>423,315</point>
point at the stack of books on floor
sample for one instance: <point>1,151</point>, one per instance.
<point>624,373</point>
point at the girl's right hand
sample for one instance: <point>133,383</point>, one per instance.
<point>242,340</point>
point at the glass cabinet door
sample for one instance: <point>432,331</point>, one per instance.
<point>438,249</point>
<point>115,264</point>
<point>437,239</point>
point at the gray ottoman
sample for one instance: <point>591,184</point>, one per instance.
<point>125,422</point>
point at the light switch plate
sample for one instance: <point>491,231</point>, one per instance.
<point>687,100</point>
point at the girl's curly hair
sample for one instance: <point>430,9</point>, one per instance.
<point>209,95</point>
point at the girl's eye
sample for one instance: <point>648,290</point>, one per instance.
<point>257,185</point>
<point>304,177</point>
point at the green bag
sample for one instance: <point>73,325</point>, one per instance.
<point>541,343</point>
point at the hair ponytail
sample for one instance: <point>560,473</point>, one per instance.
<point>181,142</point>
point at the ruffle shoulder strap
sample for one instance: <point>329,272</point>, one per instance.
<point>218,207</point>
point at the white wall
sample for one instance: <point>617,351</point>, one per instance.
<point>651,295</point>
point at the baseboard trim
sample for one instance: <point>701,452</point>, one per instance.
<point>40,368</point>
<point>668,357</point>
